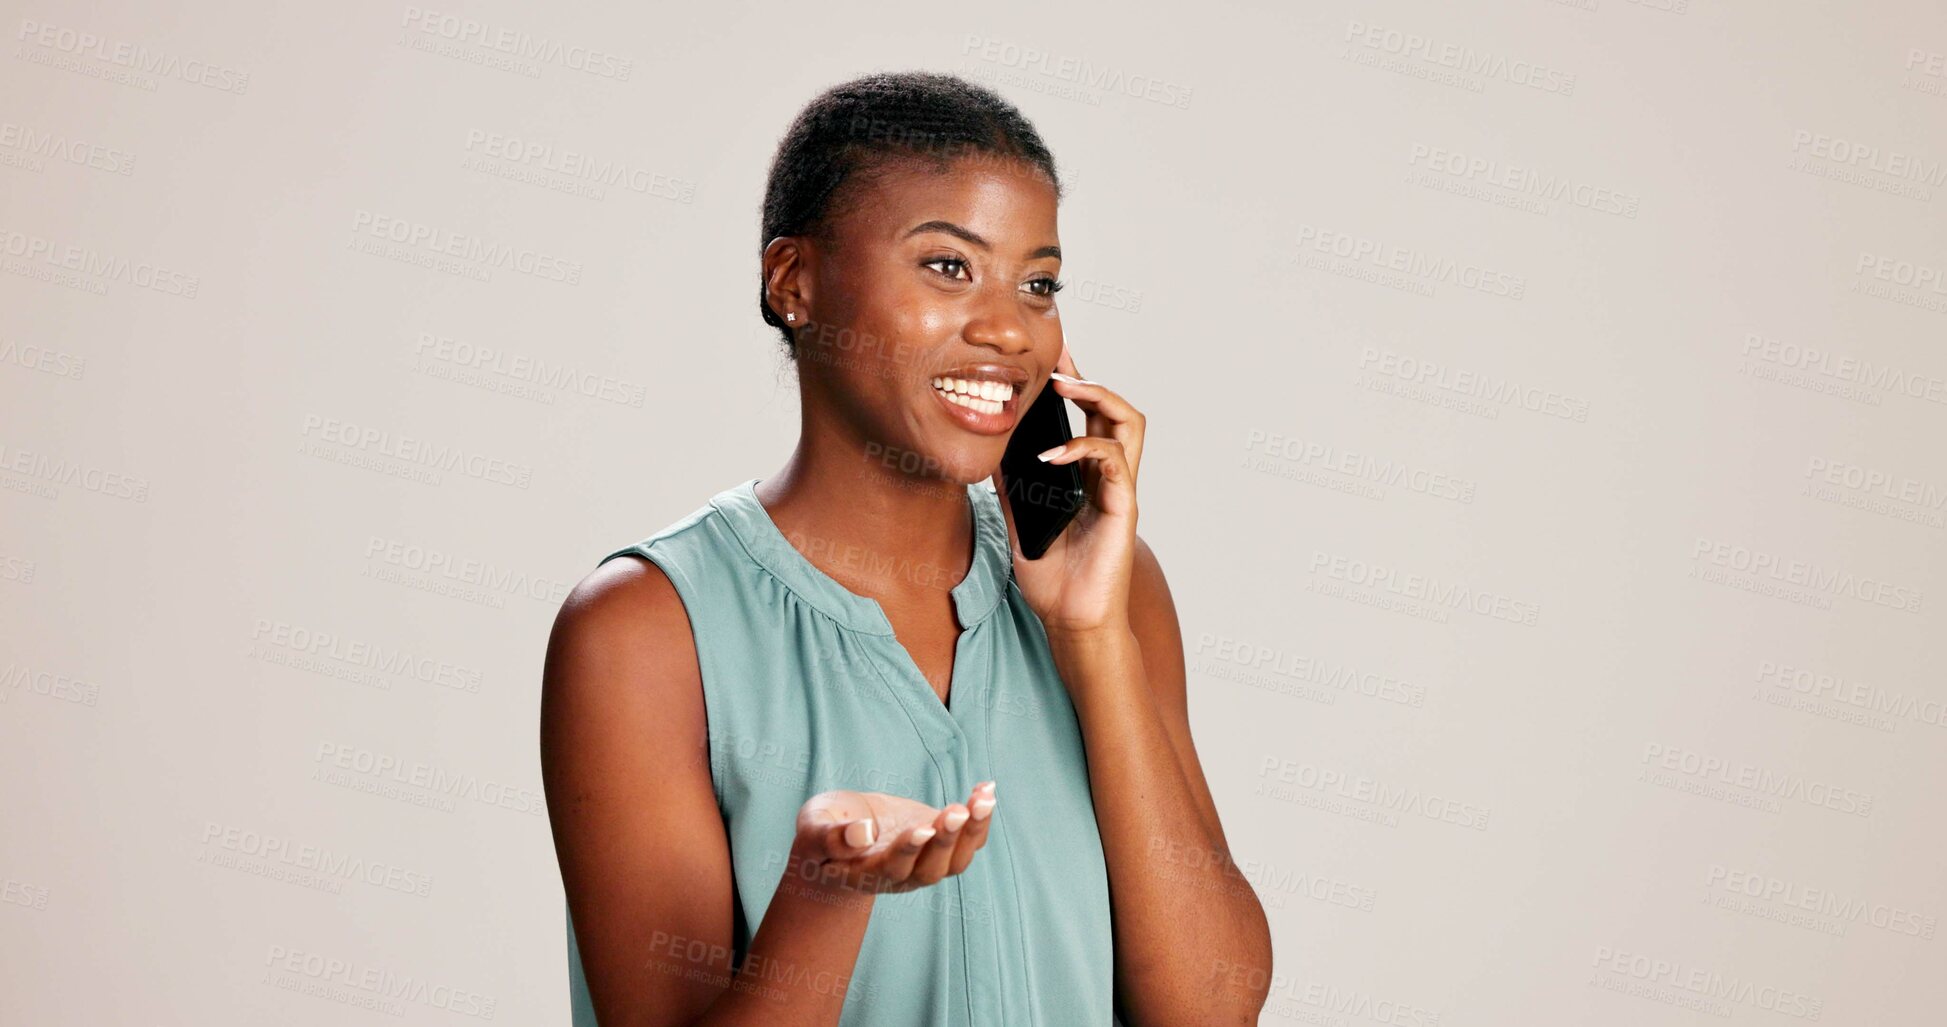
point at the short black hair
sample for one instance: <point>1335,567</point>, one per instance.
<point>858,128</point>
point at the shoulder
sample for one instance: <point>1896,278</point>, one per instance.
<point>627,593</point>
<point>644,586</point>
<point>621,634</point>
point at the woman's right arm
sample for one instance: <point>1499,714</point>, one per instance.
<point>641,844</point>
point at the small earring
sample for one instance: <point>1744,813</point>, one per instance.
<point>790,317</point>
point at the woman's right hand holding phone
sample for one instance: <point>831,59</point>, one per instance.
<point>871,842</point>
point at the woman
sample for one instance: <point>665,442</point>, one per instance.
<point>772,740</point>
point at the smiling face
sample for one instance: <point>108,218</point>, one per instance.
<point>933,317</point>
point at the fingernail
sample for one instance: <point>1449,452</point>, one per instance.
<point>1052,453</point>
<point>859,833</point>
<point>922,836</point>
<point>955,819</point>
<point>982,807</point>
<point>1070,379</point>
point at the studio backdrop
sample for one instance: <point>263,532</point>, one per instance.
<point>1547,451</point>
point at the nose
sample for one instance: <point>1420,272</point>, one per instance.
<point>998,322</point>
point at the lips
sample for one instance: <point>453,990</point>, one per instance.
<point>983,398</point>
<point>976,394</point>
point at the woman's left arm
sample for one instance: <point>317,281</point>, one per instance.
<point>1191,941</point>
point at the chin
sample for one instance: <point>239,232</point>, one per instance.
<point>966,463</point>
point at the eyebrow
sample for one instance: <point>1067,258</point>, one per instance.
<point>955,230</point>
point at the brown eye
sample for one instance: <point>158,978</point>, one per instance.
<point>1047,287</point>
<point>955,261</point>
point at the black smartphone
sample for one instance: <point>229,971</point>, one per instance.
<point>1044,497</point>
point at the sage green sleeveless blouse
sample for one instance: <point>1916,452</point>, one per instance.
<point>807,689</point>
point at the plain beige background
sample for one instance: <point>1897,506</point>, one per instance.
<point>1546,411</point>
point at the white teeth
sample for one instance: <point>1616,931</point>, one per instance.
<point>984,396</point>
<point>985,406</point>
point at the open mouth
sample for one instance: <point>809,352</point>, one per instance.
<point>981,396</point>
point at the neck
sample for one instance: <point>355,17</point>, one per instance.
<point>870,527</point>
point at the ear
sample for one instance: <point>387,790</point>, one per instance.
<point>787,278</point>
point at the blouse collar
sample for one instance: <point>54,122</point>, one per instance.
<point>974,597</point>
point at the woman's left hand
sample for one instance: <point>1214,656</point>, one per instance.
<point>1081,584</point>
